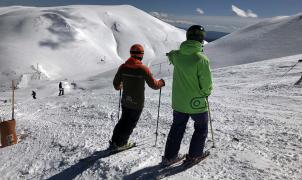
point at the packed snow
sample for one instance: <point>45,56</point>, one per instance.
<point>256,118</point>
<point>255,108</point>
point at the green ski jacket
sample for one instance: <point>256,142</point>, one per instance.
<point>192,78</point>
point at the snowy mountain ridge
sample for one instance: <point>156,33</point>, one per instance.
<point>270,38</point>
<point>76,42</point>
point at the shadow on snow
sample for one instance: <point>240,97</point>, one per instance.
<point>81,166</point>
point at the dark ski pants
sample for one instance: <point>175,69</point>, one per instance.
<point>125,126</point>
<point>61,91</point>
<point>178,129</point>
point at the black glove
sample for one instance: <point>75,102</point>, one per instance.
<point>163,81</point>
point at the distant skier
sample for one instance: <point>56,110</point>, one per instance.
<point>74,85</point>
<point>192,84</point>
<point>61,89</point>
<point>34,94</point>
<point>131,77</point>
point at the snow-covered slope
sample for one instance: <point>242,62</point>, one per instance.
<point>256,111</point>
<point>276,37</point>
<point>76,42</point>
<point>256,118</point>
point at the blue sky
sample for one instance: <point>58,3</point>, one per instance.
<point>263,8</point>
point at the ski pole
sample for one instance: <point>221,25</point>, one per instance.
<point>119,105</point>
<point>212,132</point>
<point>156,133</point>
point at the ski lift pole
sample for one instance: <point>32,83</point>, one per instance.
<point>156,132</point>
<point>212,132</point>
<point>299,61</point>
<point>119,105</point>
<point>13,100</point>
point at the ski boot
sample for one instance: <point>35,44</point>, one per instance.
<point>169,162</point>
<point>191,161</point>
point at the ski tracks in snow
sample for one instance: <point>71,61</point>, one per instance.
<point>257,129</point>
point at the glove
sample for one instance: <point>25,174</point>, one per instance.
<point>162,82</point>
<point>120,86</point>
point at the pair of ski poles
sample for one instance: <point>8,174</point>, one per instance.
<point>156,132</point>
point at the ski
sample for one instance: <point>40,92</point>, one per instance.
<point>172,170</point>
<point>106,153</point>
<point>189,164</point>
<point>160,171</point>
<point>120,149</point>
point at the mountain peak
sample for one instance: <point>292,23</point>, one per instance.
<point>69,41</point>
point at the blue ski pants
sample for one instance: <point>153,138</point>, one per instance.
<point>178,129</point>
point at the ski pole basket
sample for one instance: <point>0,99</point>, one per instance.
<point>8,128</point>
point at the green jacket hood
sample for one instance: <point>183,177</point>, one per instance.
<point>190,47</point>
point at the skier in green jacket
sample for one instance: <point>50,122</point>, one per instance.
<point>192,84</point>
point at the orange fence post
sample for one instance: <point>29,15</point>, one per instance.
<point>8,128</point>
<point>8,133</point>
